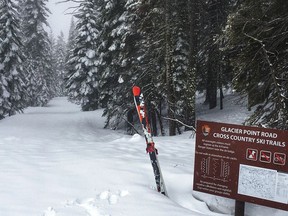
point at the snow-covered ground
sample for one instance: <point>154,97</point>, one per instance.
<point>59,161</point>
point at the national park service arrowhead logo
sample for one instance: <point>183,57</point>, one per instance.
<point>206,130</point>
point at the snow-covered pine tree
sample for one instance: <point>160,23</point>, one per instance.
<point>258,37</point>
<point>120,59</point>
<point>51,75</point>
<point>165,30</point>
<point>213,73</point>
<point>111,44</point>
<point>70,45</point>
<point>12,89</point>
<point>177,41</point>
<point>151,53</point>
<point>39,74</point>
<point>52,57</point>
<point>71,42</point>
<point>72,36</point>
<point>109,49</point>
<point>130,64</point>
<point>60,69</point>
<point>83,77</point>
<point>184,72</point>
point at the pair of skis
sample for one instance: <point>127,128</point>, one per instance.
<point>151,150</point>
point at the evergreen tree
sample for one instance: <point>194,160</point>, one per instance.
<point>214,16</point>
<point>151,58</point>
<point>145,62</point>
<point>190,79</point>
<point>70,43</point>
<point>169,73</point>
<point>125,66</point>
<point>184,59</point>
<point>51,75</point>
<point>167,64</point>
<point>115,47</point>
<point>60,70</point>
<point>70,46</point>
<point>39,74</point>
<point>53,59</point>
<point>111,31</point>
<point>83,79</point>
<point>257,35</point>
<point>12,90</point>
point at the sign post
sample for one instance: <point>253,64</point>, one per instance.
<point>239,208</point>
<point>248,164</point>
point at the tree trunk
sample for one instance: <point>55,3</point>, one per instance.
<point>153,122</point>
<point>130,121</point>
<point>160,122</point>
<point>168,69</point>
<point>211,88</point>
<point>190,118</point>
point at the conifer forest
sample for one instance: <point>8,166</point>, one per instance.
<point>173,49</point>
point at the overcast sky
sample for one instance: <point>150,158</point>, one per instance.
<point>59,20</point>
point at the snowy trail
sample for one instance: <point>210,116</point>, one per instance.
<point>59,161</point>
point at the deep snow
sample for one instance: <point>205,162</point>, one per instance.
<point>59,161</point>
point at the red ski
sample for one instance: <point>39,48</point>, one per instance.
<point>151,150</point>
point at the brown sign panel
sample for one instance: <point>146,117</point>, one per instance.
<point>243,163</point>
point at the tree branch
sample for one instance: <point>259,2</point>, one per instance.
<point>131,125</point>
<point>182,123</point>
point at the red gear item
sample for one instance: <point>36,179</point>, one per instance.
<point>136,91</point>
<point>150,147</point>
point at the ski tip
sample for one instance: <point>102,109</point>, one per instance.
<point>136,90</point>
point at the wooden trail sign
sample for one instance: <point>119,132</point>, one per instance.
<point>248,164</point>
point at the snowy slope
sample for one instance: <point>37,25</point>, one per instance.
<point>59,161</point>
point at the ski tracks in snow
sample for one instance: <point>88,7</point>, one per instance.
<point>100,205</point>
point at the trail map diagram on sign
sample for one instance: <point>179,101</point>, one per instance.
<point>257,182</point>
<point>282,188</point>
<point>263,183</point>
<point>214,168</point>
